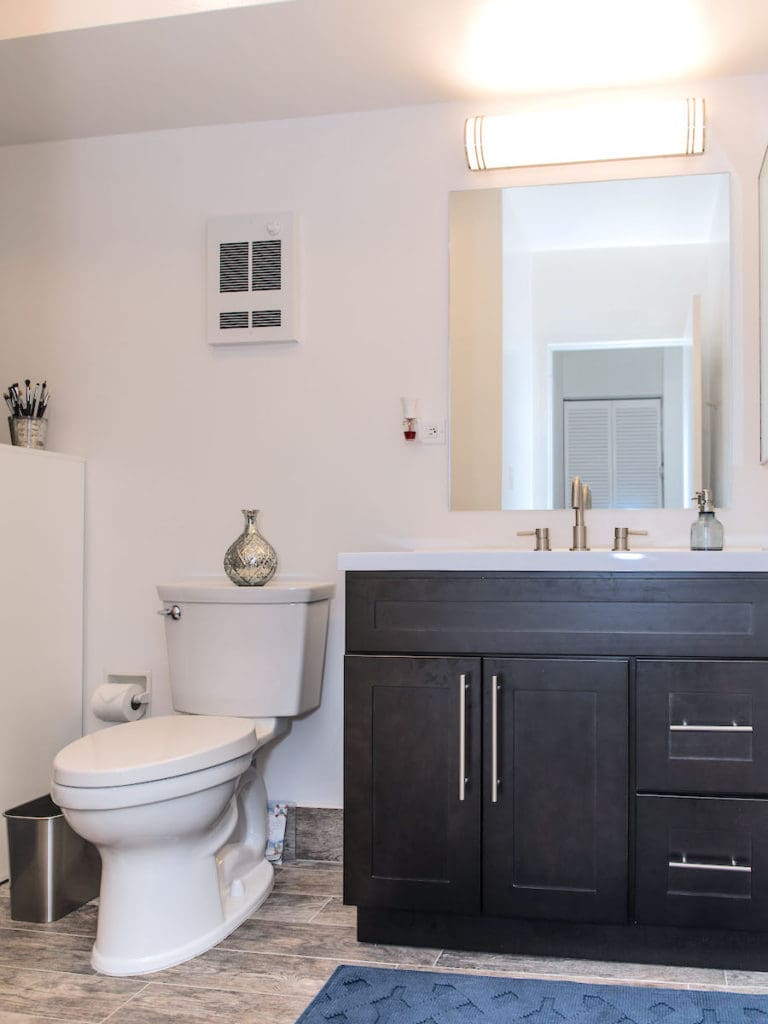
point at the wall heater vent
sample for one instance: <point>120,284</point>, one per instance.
<point>252,263</point>
<point>267,272</point>
<point>233,267</point>
<point>228,321</point>
<point>266,318</point>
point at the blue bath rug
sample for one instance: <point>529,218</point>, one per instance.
<point>372,995</point>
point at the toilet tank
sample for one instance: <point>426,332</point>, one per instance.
<point>251,652</point>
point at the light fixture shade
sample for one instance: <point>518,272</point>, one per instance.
<point>585,134</point>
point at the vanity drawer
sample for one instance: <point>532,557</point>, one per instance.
<point>702,727</point>
<point>571,613</point>
<point>702,861</point>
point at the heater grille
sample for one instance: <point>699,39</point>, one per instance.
<point>266,318</point>
<point>254,254</point>
<point>267,258</point>
<point>229,320</point>
<point>233,267</point>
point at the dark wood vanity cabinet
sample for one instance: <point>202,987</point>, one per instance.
<point>559,763</point>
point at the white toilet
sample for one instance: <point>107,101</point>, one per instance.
<point>174,804</point>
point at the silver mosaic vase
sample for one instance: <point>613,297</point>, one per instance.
<point>250,561</point>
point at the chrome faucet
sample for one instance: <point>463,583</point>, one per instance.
<point>581,499</point>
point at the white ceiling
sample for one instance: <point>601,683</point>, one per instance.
<point>311,57</point>
<point>39,17</point>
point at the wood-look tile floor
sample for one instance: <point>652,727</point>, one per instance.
<point>267,971</point>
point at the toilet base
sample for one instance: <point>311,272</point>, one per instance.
<point>257,887</point>
<point>166,898</point>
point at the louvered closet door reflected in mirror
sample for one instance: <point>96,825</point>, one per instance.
<point>615,445</point>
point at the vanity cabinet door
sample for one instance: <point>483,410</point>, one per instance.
<point>412,783</point>
<point>555,823</point>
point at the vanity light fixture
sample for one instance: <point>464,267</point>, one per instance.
<point>585,134</point>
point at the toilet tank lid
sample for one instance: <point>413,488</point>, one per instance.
<point>152,749</point>
<point>220,590</point>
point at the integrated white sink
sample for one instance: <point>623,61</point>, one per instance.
<point>516,560</point>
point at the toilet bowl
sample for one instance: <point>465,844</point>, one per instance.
<point>177,875</point>
<point>175,804</point>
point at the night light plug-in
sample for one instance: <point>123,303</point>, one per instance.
<point>410,417</point>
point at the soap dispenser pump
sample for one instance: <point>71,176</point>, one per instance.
<point>706,531</point>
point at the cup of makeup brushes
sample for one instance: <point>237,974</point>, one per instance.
<point>28,431</point>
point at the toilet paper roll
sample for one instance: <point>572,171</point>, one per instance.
<point>111,702</point>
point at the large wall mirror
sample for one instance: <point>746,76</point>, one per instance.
<point>589,337</point>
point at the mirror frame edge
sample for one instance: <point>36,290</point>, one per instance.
<point>762,239</point>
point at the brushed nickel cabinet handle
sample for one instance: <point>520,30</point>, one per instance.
<point>685,727</point>
<point>495,688</point>
<point>693,865</point>
<point>463,777</point>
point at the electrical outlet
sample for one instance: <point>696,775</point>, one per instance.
<point>432,432</point>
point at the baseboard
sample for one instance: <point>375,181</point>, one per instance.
<point>314,833</point>
<point>645,944</point>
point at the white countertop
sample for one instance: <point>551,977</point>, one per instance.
<point>511,560</point>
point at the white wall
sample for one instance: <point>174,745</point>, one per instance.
<point>101,291</point>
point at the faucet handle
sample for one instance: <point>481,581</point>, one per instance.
<point>621,535</point>
<point>581,494</point>
<point>541,533</point>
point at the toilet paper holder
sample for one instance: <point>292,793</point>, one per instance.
<point>122,697</point>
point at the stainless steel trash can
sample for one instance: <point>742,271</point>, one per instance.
<point>53,870</point>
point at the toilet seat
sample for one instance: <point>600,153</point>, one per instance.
<point>152,750</point>
<point>111,798</point>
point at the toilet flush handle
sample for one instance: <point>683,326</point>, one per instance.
<point>173,612</point>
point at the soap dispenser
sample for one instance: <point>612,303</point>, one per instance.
<point>706,531</point>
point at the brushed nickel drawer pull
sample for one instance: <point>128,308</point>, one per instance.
<point>463,777</point>
<point>733,727</point>
<point>695,865</point>
<point>495,780</point>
